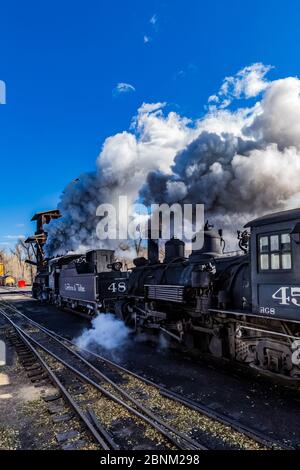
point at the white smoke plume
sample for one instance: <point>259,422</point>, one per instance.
<point>245,172</point>
<point>241,163</point>
<point>122,167</point>
<point>107,331</point>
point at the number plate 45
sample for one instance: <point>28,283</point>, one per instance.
<point>288,296</point>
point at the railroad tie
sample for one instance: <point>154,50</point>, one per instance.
<point>74,445</point>
<point>65,436</point>
<point>62,418</point>
<point>30,363</point>
<point>53,397</point>
<point>55,408</point>
<point>38,372</point>
<point>37,378</point>
<point>34,366</point>
<point>42,383</point>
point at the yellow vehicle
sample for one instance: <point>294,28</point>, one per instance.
<point>9,281</point>
<point>6,279</point>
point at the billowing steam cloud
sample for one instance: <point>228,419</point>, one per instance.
<point>107,331</point>
<point>229,175</point>
<point>238,163</point>
<point>247,172</point>
<point>122,168</point>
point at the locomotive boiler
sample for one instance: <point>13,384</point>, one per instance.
<point>244,307</point>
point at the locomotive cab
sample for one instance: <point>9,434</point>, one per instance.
<point>275,261</point>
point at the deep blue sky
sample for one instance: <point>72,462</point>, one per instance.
<point>61,60</point>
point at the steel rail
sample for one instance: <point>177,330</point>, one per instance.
<point>144,409</point>
<point>55,380</point>
<point>209,412</point>
<point>201,408</point>
<point>153,420</point>
<point>13,290</point>
<point>241,428</point>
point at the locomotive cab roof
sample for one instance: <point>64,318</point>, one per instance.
<point>66,259</point>
<point>274,218</point>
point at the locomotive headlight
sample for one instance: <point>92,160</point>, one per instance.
<point>117,266</point>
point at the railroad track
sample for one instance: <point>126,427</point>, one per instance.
<point>14,290</point>
<point>68,371</point>
<point>177,421</point>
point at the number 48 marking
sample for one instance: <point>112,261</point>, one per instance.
<point>117,287</point>
<point>287,295</point>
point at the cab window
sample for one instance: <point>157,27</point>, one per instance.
<point>275,252</point>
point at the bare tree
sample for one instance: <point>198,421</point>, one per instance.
<point>17,252</point>
<point>30,256</point>
<point>21,252</point>
<point>2,255</point>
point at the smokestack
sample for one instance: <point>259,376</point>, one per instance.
<point>174,249</point>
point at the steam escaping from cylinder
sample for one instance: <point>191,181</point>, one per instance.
<point>107,331</point>
<point>240,162</point>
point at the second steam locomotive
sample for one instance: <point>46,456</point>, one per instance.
<point>244,307</point>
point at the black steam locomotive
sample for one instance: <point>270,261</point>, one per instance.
<point>243,306</point>
<point>88,284</point>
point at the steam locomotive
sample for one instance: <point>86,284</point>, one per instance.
<point>243,306</point>
<point>87,284</point>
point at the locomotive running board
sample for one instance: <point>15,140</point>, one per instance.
<point>239,313</point>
